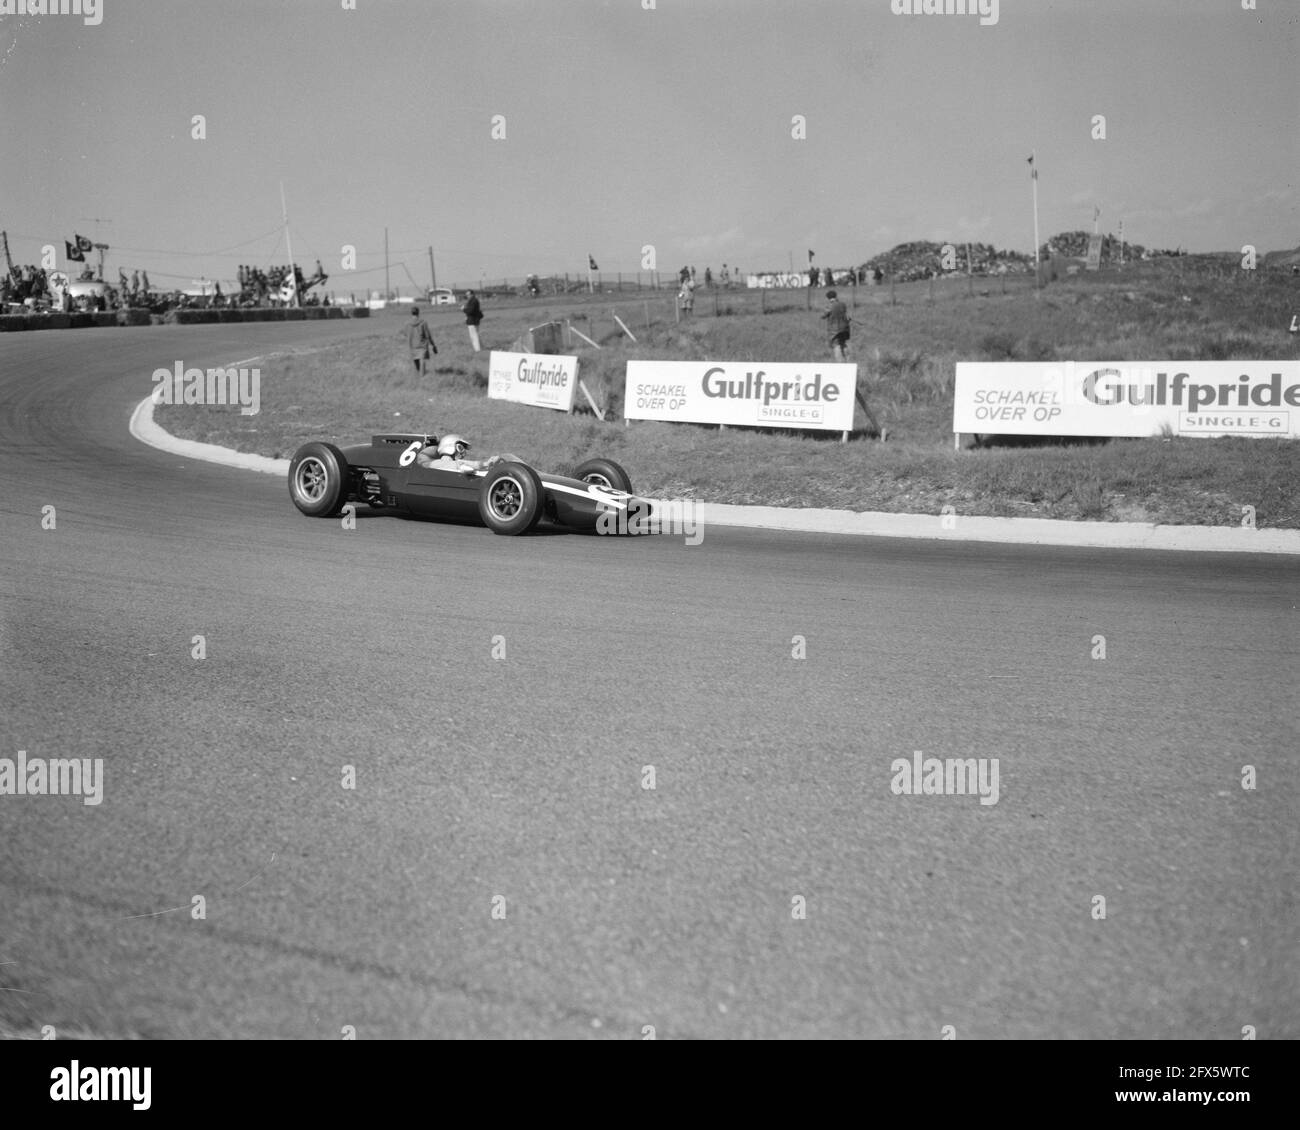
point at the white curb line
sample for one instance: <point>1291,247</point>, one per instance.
<point>146,431</point>
<point>1029,531</point>
<point>870,523</point>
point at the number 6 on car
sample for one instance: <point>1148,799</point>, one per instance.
<point>408,456</point>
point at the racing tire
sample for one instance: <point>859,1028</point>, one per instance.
<point>604,472</point>
<point>510,499</point>
<point>318,479</point>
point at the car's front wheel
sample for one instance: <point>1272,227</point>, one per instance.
<point>604,473</point>
<point>318,477</point>
<point>510,498</point>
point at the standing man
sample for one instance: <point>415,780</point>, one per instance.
<point>473,315</point>
<point>837,323</point>
<point>419,340</point>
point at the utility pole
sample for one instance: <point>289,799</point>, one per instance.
<point>293,272</point>
<point>388,292</point>
<point>433,274</point>
<point>98,246</point>
<point>1033,176</point>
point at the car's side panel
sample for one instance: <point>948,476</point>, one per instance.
<point>436,492</point>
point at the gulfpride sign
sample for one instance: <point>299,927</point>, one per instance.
<point>781,395</point>
<point>1129,398</point>
<point>542,380</point>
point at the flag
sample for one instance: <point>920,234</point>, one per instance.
<point>1096,213</point>
<point>591,263</point>
<point>810,256</point>
<point>73,253</point>
<point>83,244</point>
<point>1034,168</point>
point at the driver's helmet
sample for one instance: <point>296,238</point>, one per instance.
<point>453,447</point>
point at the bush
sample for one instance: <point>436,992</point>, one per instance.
<point>191,317</point>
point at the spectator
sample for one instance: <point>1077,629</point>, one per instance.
<point>837,323</point>
<point>687,296</point>
<point>419,340</point>
<point>708,277</point>
<point>135,282</point>
<point>473,316</point>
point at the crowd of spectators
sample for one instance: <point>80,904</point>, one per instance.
<point>38,289</point>
<point>257,286</point>
<point>22,283</point>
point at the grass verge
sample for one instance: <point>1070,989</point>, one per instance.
<point>906,354</point>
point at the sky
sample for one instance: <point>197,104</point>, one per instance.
<point>627,124</point>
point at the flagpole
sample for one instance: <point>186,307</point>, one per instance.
<point>293,273</point>
<point>1038,281</point>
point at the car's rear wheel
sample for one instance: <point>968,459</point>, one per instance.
<point>510,499</point>
<point>604,473</point>
<point>318,478</point>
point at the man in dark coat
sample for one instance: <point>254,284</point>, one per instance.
<point>473,315</point>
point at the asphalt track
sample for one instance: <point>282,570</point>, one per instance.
<point>521,777</point>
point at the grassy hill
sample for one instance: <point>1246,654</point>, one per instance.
<point>1167,309</point>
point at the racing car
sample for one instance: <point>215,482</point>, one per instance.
<point>394,472</point>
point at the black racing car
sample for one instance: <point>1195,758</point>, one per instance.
<point>507,495</point>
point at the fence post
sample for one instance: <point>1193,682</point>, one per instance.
<point>762,300</point>
<point>932,288</point>
<point>647,317</point>
<point>715,301</point>
<point>891,286</point>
